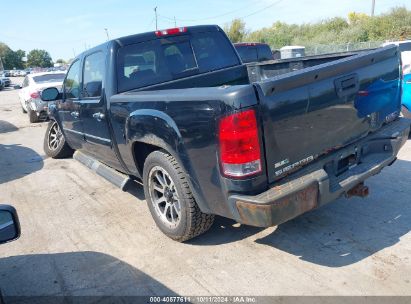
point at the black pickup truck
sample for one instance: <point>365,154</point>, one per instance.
<point>207,135</point>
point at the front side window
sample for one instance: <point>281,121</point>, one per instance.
<point>72,81</point>
<point>93,75</point>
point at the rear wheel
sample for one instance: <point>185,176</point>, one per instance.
<point>170,199</point>
<point>55,144</point>
<point>32,115</point>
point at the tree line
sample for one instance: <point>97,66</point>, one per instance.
<point>15,59</point>
<point>357,27</point>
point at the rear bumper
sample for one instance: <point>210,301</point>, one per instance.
<point>316,185</point>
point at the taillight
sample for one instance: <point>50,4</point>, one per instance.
<point>172,31</point>
<point>239,145</point>
<point>35,95</point>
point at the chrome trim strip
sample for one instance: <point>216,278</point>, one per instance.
<point>73,131</point>
<point>98,138</point>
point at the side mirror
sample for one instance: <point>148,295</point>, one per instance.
<point>49,94</point>
<point>17,87</point>
<point>9,224</point>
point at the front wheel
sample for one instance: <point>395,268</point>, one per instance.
<point>170,199</point>
<point>55,144</point>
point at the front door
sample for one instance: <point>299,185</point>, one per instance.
<point>69,108</point>
<point>93,111</point>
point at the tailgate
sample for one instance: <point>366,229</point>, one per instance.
<point>308,113</point>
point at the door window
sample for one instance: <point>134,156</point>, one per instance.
<point>72,81</point>
<point>93,71</point>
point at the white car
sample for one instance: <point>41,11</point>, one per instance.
<point>31,88</point>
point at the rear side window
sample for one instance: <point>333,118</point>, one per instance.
<point>170,58</point>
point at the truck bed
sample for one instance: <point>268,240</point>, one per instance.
<point>309,112</point>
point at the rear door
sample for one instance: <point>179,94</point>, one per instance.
<point>69,108</point>
<point>93,110</point>
<point>311,112</point>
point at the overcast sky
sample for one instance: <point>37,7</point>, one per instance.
<point>65,28</point>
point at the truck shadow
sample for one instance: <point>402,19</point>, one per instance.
<point>341,233</point>
<point>17,161</point>
<point>6,127</point>
<point>224,231</point>
<point>350,230</point>
<point>90,274</point>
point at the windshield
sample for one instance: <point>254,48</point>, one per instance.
<point>152,62</point>
<point>49,78</point>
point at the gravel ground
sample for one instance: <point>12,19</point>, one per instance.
<point>83,236</point>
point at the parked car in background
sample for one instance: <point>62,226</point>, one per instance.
<point>6,73</point>
<point>292,51</point>
<point>21,73</point>
<point>405,49</point>
<point>31,88</point>
<point>1,85</point>
<point>253,51</point>
<point>6,81</point>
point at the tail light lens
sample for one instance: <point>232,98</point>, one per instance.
<point>239,145</point>
<point>35,95</point>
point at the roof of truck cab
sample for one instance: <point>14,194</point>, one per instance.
<point>137,38</point>
<point>152,35</point>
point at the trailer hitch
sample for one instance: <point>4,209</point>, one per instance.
<point>359,190</point>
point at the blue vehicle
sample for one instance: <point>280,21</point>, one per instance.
<point>405,49</point>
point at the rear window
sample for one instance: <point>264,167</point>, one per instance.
<point>170,58</point>
<point>49,78</point>
<point>247,53</point>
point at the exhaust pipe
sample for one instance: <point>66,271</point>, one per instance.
<point>359,190</point>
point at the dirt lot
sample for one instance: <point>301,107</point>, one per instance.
<point>83,236</point>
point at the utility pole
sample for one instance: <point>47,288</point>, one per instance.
<point>108,37</point>
<point>373,8</point>
<point>155,12</point>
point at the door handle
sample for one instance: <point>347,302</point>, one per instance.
<point>99,116</point>
<point>75,114</point>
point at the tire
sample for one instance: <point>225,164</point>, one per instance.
<point>32,116</point>
<point>58,148</point>
<point>166,182</point>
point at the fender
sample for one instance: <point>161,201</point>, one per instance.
<point>159,129</point>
